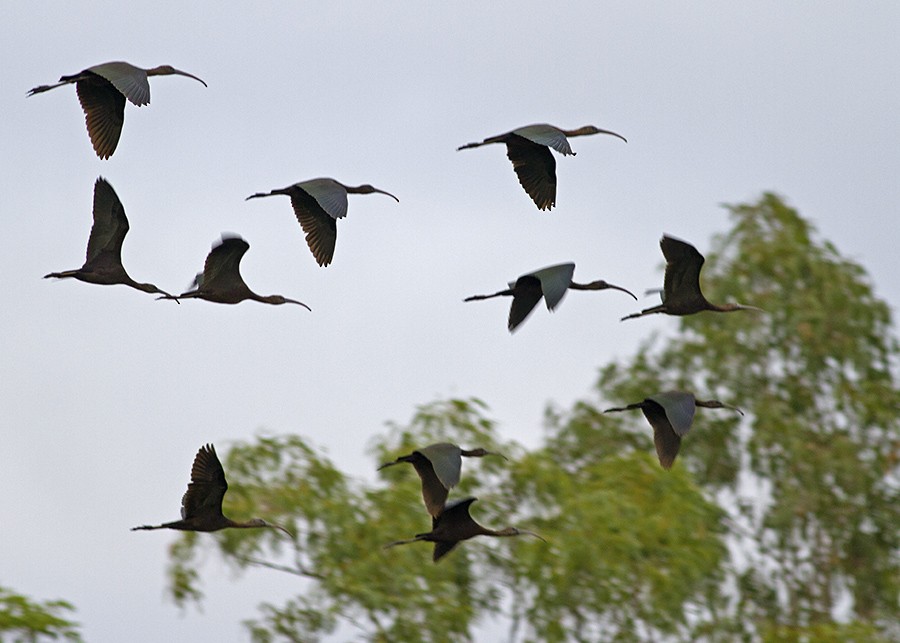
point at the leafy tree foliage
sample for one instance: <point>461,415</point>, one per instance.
<point>26,620</point>
<point>778,526</point>
<point>810,477</point>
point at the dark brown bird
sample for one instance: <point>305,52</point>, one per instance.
<point>221,280</point>
<point>438,466</point>
<point>681,289</point>
<point>103,264</point>
<point>455,525</point>
<point>529,150</point>
<point>551,283</point>
<point>671,414</point>
<point>318,204</point>
<point>102,90</point>
<point>201,505</point>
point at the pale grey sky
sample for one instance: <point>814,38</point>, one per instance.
<point>107,394</point>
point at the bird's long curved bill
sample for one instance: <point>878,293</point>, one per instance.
<point>733,408</point>
<point>184,73</point>
<point>625,290</point>
<point>299,303</point>
<point>606,131</point>
<point>531,533</point>
<point>387,193</point>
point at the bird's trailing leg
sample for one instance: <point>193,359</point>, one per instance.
<point>502,293</point>
<point>647,311</point>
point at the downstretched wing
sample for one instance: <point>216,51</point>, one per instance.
<point>679,407</point>
<point>526,295</point>
<point>104,113</point>
<point>441,549</point>
<point>536,168</point>
<point>667,441</point>
<point>207,487</point>
<point>319,226</point>
<point>109,228</point>
<point>555,282</point>
<point>683,264</point>
<point>329,194</point>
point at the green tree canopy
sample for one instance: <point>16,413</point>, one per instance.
<point>778,526</point>
<point>24,619</point>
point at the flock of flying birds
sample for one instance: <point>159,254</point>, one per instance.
<point>318,204</point>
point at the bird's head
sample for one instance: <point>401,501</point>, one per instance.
<point>278,300</point>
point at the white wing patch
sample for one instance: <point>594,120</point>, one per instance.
<point>679,407</point>
<point>544,134</point>
<point>329,194</point>
<point>555,282</point>
<point>128,79</point>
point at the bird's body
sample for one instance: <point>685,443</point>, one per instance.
<point>102,90</point>
<point>103,264</point>
<point>681,293</point>
<point>438,466</point>
<point>551,283</point>
<point>221,280</point>
<point>528,148</point>
<point>671,414</point>
<point>201,505</point>
<point>454,525</point>
<point>318,204</point>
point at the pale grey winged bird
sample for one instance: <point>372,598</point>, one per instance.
<point>671,414</point>
<point>221,280</point>
<point>103,264</point>
<point>455,524</point>
<point>438,466</point>
<point>102,90</point>
<point>528,148</point>
<point>681,293</point>
<point>318,204</point>
<point>551,283</point>
<point>201,505</point>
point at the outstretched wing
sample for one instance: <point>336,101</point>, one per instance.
<point>555,282</point>
<point>221,271</point>
<point>207,487</point>
<point>544,134</point>
<point>131,81</point>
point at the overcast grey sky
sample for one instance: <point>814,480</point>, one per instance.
<point>107,394</point>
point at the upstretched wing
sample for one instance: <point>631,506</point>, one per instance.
<point>207,487</point>
<point>536,169</point>
<point>221,271</point>
<point>683,264</point>
<point>109,228</point>
<point>320,227</point>
<point>104,112</point>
